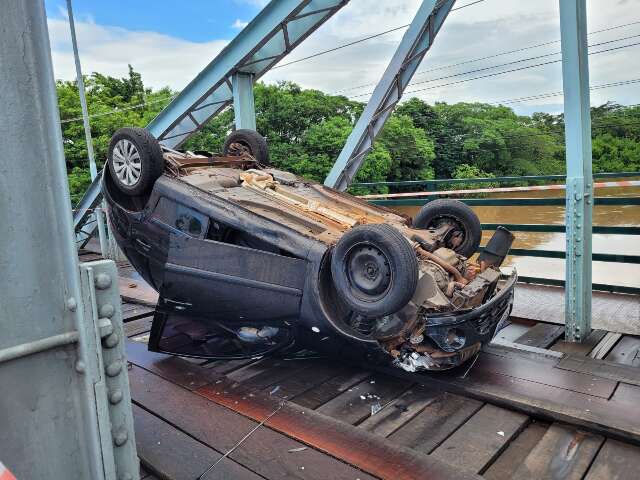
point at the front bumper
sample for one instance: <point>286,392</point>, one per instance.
<point>459,336</point>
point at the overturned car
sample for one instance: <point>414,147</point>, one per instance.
<point>250,260</point>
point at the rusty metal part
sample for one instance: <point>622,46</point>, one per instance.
<point>355,446</point>
<point>472,294</point>
<point>449,268</point>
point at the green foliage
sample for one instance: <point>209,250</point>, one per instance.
<point>79,181</point>
<point>306,130</point>
<point>472,171</point>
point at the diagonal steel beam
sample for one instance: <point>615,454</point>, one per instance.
<point>414,45</point>
<point>274,33</point>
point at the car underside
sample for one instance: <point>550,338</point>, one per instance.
<point>250,261</point>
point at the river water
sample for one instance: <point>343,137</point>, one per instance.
<point>603,215</point>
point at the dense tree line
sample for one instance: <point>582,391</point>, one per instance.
<point>306,130</point>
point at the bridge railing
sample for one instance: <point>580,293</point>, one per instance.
<point>433,186</point>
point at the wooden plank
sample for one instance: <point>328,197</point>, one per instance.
<point>315,374</point>
<point>615,461</point>
<point>136,327</point>
<point>610,311</point>
<point>541,335</point>
<point>174,455</point>
<point>171,368</point>
<point>331,388</point>
<point>605,345</point>
<point>542,371</point>
<point>227,366</point>
<point>481,439</point>
<point>601,368</point>
<point>358,402</point>
<point>563,452</point>
<point>133,311</point>
<point>355,446</point>
<point>626,351</point>
<point>265,452</point>
<point>400,411</point>
<point>515,329</point>
<point>278,371</point>
<point>137,291</point>
<point>505,466</point>
<point>436,422</point>
<point>580,348</point>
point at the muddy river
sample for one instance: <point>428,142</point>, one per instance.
<point>604,215</point>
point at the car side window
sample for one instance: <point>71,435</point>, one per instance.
<point>180,217</point>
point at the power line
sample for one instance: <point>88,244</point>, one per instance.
<point>116,110</point>
<point>503,72</point>
<point>355,42</point>
<point>559,94</point>
<point>487,57</point>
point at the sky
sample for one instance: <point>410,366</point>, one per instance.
<point>169,42</point>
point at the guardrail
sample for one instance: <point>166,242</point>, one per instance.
<point>541,228</point>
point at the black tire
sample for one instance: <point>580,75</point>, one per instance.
<point>445,209</point>
<point>251,142</point>
<point>136,151</point>
<point>374,269</point>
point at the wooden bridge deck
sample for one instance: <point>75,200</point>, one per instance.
<point>531,406</point>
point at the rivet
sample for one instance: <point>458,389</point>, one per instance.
<point>112,340</point>
<point>107,310</point>
<point>115,396</point>
<point>72,305</point>
<point>102,281</point>
<point>114,368</point>
<point>105,326</point>
<point>120,437</point>
<point>80,366</point>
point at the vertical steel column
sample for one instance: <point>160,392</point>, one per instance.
<point>243,102</point>
<point>50,372</point>
<point>579,206</point>
<point>93,170</point>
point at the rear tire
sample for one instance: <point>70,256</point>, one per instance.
<point>247,141</point>
<point>374,269</point>
<point>135,160</point>
<point>448,210</point>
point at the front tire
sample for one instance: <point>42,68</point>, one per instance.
<point>374,269</point>
<point>135,160</point>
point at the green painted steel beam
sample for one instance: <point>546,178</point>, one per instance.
<point>508,202</point>
<point>579,189</point>
<point>244,107</point>
<point>597,257</point>
<point>603,287</point>
<point>523,227</point>
<point>526,178</point>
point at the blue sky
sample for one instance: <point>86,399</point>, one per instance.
<point>193,20</point>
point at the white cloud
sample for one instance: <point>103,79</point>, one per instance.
<point>162,60</point>
<point>483,29</point>
<point>239,24</point>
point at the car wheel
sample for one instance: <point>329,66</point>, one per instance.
<point>467,230</point>
<point>135,160</point>
<point>247,141</point>
<point>374,269</point>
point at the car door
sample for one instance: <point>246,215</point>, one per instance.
<point>221,300</point>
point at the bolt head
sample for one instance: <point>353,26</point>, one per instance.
<point>102,281</point>
<point>72,304</point>
<point>80,366</point>
<point>112,340</point>
<point>120,437</point>
<point>107,310</point>
<point>113,369</point>
<point>115,396</point>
